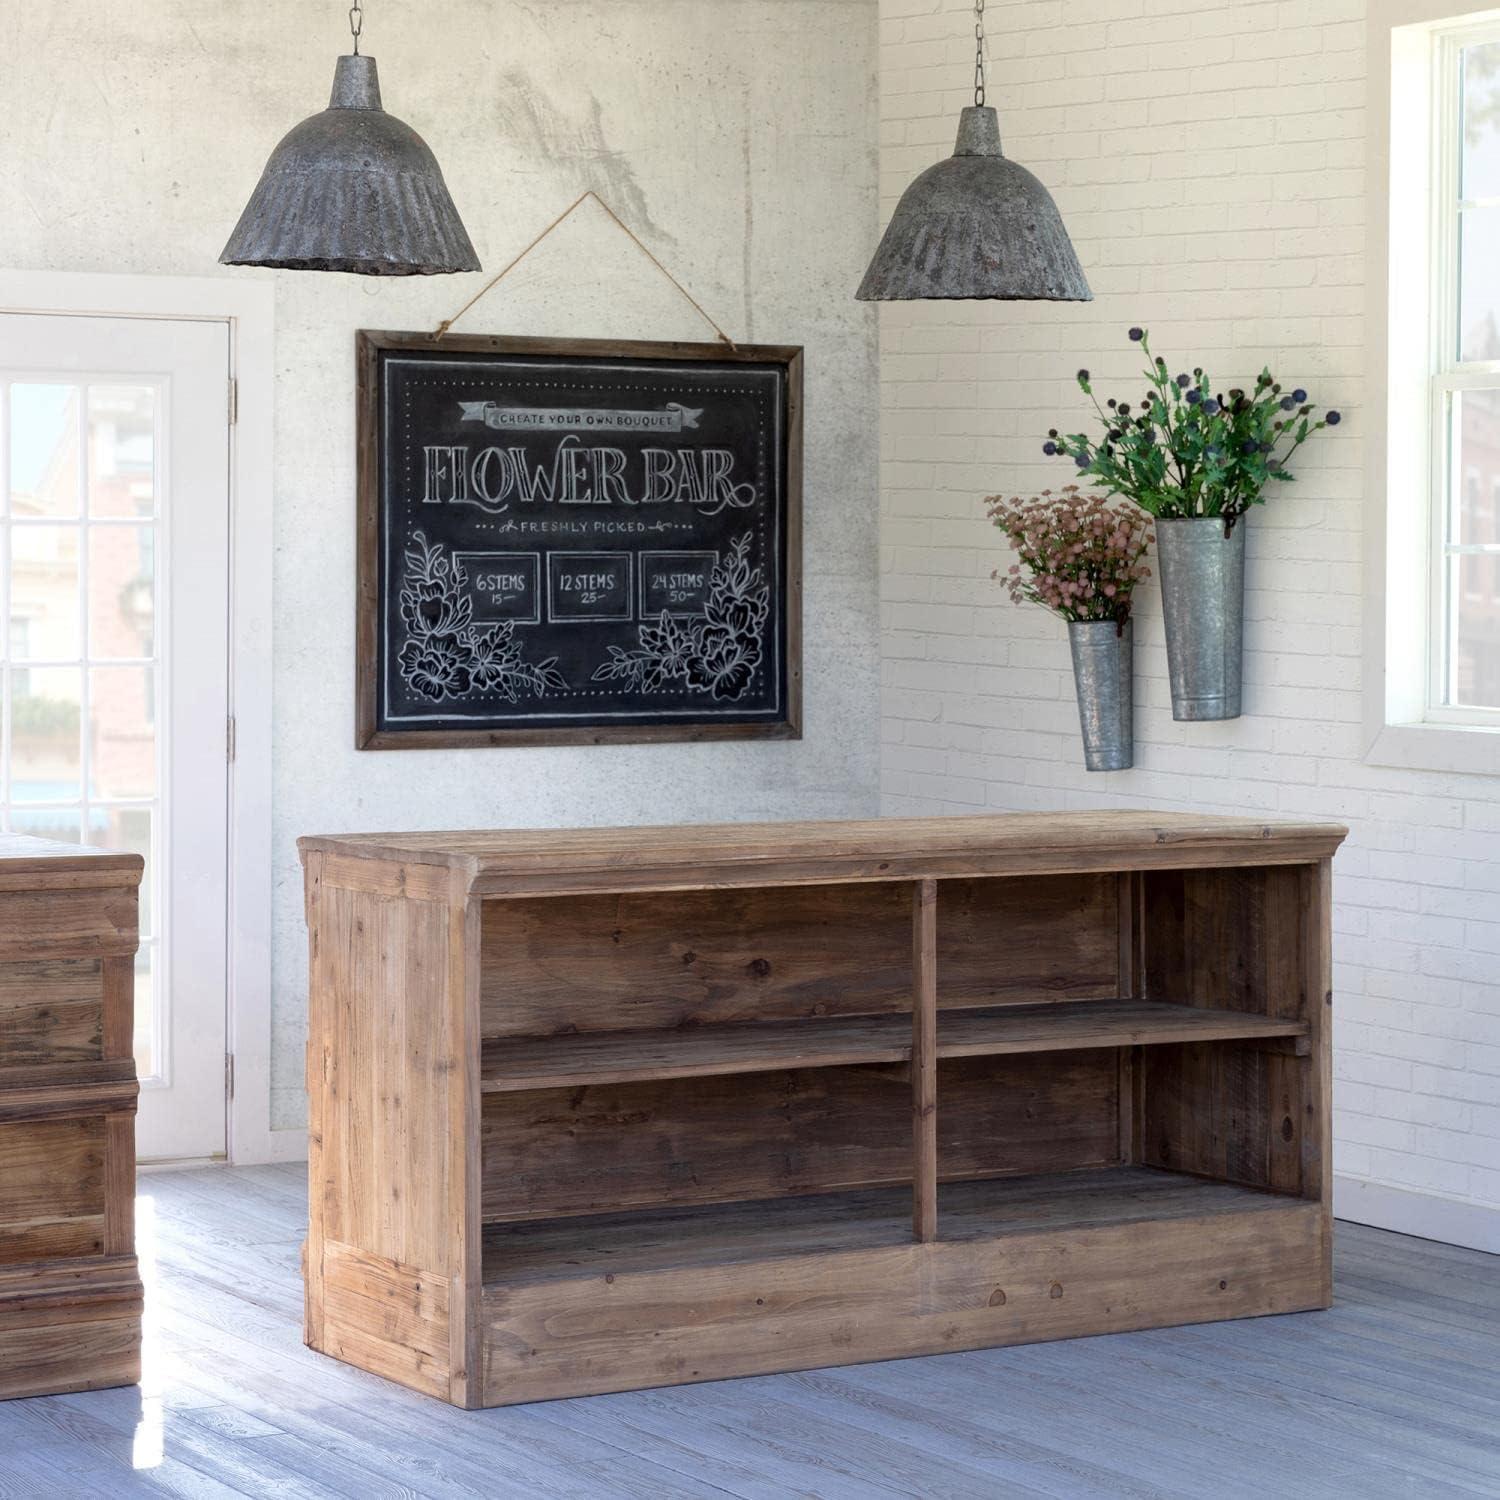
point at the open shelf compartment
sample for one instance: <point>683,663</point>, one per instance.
<point>774,1229</point>
<point>514,1063</point>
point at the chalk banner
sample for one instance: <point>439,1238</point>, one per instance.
<point>672,418</point>
<point>577,541</point>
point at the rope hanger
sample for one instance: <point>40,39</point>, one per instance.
<point>567,213</point>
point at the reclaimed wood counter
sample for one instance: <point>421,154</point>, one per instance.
<point>70,1288</point>
<point>601,1109</point>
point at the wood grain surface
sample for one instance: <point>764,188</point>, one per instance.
<point>70,1289</point>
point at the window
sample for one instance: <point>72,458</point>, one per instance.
<point>1434,589</point>
<point>1464,542</point>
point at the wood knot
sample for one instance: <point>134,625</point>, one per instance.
<point>1055,1290</point>
<point>760,967</point>
<point>689,957</point>
<point>1223,1286</point>
<point>1288,1130</point>
<point>997,1297</point>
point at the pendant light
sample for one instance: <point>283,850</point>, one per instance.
<point>352,189</point>
<point>976,225</point>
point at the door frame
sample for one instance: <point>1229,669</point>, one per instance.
<point>247,306</point>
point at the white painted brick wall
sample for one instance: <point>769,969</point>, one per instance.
<point>1209,162</point>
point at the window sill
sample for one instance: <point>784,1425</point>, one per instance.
<point>1462,748</point>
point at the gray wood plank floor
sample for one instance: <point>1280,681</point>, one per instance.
<point>1396,1391</point>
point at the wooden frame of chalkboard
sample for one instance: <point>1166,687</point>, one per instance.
<point>577,541</point>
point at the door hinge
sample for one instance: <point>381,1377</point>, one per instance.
<point>229,739</point>
<point>229,1075</point>
<point>234,400</point>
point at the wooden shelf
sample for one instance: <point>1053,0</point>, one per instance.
<point>552,1250</point>
<point>886,1089</point>
<point>517,1063</point>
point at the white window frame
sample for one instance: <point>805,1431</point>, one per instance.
<point>1413,48</point>
<point>247,304</point>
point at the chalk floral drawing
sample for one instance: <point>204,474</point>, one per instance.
<point>448,655</point>
<point>715,652</point>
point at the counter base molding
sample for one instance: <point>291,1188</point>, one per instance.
<point>600,1110</point>
<point>70,1288</point>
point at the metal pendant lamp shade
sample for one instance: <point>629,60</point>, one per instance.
<point>352,189</point>
<point>976,225</point>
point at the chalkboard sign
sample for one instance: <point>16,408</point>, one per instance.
<point>576,542</point>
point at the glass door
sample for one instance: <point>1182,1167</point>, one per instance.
<point>113,661</point>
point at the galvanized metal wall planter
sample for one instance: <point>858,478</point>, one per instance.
<point>1203,606</point>
<point>1103,668</point>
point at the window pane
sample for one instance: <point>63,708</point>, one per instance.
<point>122,732</point>
<point>127,829</point>
<point>59,823</point>
<point>1475,514</point>
<point>1476,610</point>
<point>1479,284</point>
<point>44,734</point>
<point>122,450</point>
<point>44,450</point>
<point>122,593</point>
<point>1480,70</point>
<point>145,1012</point>
<point>44,593</point>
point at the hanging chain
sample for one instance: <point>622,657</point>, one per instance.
<point>979,51</point>
<point>357,23</point>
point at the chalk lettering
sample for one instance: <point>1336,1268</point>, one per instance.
<point>447,473</point>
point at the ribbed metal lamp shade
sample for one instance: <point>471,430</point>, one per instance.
<point>352,189</point>
<point>976,225</point>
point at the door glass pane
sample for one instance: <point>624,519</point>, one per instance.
<point>45,707</point>
<point>129,830</point>
<point>1479,284</point>
<point>122,450</point>
<point>122,592</point>
<point>145,1011</point>
<point>122,732</point>
<point>44,593</point>
<point>44,450</point>
<point>1476,645</point>
<point>64,824</point>
<point>1480,71</point>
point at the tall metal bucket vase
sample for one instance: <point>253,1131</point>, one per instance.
<point>1102,673</point>
<point>1203,608</point>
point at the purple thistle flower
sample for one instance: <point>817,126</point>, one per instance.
<point>1137,334</point>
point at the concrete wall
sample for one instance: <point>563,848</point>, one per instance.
<point>132,135</point>
<point>1209,162</point>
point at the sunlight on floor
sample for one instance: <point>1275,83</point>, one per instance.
<point>147,1448</point>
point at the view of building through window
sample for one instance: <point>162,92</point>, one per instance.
<point>1468,562</point>
<point>80,663</point>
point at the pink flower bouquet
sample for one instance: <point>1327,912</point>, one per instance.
<point>1079,556</point>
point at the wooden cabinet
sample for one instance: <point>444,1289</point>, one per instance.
<point>70,1290</point>
<point>595,1110</point>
